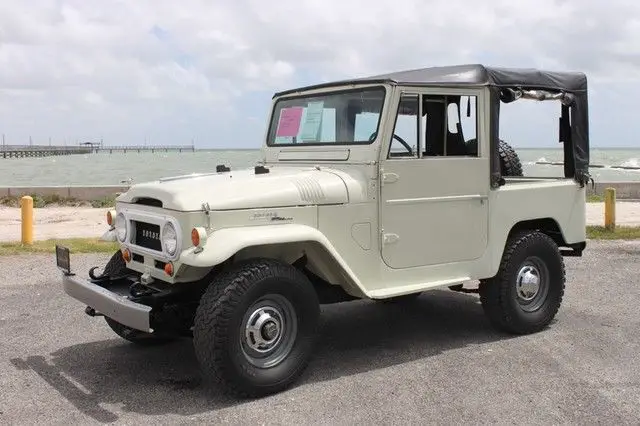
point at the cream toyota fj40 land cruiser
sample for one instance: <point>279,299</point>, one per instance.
<point>367,189</point>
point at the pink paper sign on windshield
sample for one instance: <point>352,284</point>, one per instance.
<point>289,123</point>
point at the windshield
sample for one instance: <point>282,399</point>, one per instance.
<point>336,118</point>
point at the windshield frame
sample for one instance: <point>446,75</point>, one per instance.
<point>270,137</point>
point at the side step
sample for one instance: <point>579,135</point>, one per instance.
<point>460,289</point>
<point>414,288</point>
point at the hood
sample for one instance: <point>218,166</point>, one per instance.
<point>244,189</point>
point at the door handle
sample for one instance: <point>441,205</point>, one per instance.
<point>390,177</point>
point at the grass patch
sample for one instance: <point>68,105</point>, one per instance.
<point>104,202</point>
<point>595,198</point>
<point>76,245</point>
<point>620,233</point>
<point>40,201</point>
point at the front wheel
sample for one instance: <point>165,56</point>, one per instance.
<point>255,327</point>
<point>527,292</point>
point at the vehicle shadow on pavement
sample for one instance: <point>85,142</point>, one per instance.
<point>355,337</point>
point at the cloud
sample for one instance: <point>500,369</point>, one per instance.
<point>123,71</point>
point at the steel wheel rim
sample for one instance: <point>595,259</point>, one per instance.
<point>532,284</point>
<point>268,331</point>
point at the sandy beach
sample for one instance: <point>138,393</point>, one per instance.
<point>72,222</point>
<point>55,222</point>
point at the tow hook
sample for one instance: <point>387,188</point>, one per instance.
<point>92,312</point>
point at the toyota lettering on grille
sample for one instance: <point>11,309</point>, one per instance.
<point>150,234</point>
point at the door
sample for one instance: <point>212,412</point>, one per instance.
<point>435,182</point>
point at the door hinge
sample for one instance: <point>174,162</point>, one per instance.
<point>389,238</point>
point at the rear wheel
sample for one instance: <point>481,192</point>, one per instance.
<point>527,292</point>
<point>255,327</point>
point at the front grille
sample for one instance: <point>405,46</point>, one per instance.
<point>147,235</point>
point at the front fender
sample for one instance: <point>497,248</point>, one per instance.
<point>224,243</point>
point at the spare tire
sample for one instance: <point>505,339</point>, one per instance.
<point>510,164</point>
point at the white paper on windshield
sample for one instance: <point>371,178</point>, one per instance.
<point>312,121</point>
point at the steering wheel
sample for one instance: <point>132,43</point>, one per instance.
<point>398,138</point>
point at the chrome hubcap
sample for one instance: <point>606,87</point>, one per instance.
<point>528,282</point>
<point>263,329</point>
<point>532,284</point>
<point>269,329</point>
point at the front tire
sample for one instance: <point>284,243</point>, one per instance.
<point>527,292</point>
<point>255,327</point>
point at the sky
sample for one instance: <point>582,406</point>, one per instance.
<point>166,72</point>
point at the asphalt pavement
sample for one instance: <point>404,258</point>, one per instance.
<point>437,361</point>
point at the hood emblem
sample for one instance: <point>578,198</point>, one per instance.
<point>273,216</point>
<point>281,218</point>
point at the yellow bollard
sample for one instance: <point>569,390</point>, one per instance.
<point>610,208</point>
<point>26,205</point>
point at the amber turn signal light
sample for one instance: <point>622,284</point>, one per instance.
<point>168,269</point>
<point>198,236</point>
<point>126,255</point>
<point>111,214</point>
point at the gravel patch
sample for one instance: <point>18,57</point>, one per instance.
<point>437,361</point>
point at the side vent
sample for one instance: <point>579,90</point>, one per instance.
<point>145,201</point>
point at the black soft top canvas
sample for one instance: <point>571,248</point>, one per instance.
<point>576,145</point>
<point>471,75</point>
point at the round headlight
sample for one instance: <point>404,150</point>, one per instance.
<point>170,238</point>
<point>121,227</point>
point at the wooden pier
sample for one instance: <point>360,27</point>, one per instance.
<point>25,151</point>
<point>15,151</point>
<point>143,148</point>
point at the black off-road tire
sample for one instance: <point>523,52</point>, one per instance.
<point>499,296</point>
<point>219,327</point>
<point>510,164</point>
<point>137,336</point>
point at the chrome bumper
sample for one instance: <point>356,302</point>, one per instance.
<point>108,303</point>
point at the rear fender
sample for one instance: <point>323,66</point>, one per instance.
<point>225,243</point>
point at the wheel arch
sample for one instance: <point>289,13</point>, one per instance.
<point>546,225</point>
<point>302,246</point>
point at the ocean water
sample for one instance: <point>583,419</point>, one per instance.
<point>113,169</point>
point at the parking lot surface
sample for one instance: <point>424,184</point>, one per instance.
<point>434,361</point>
